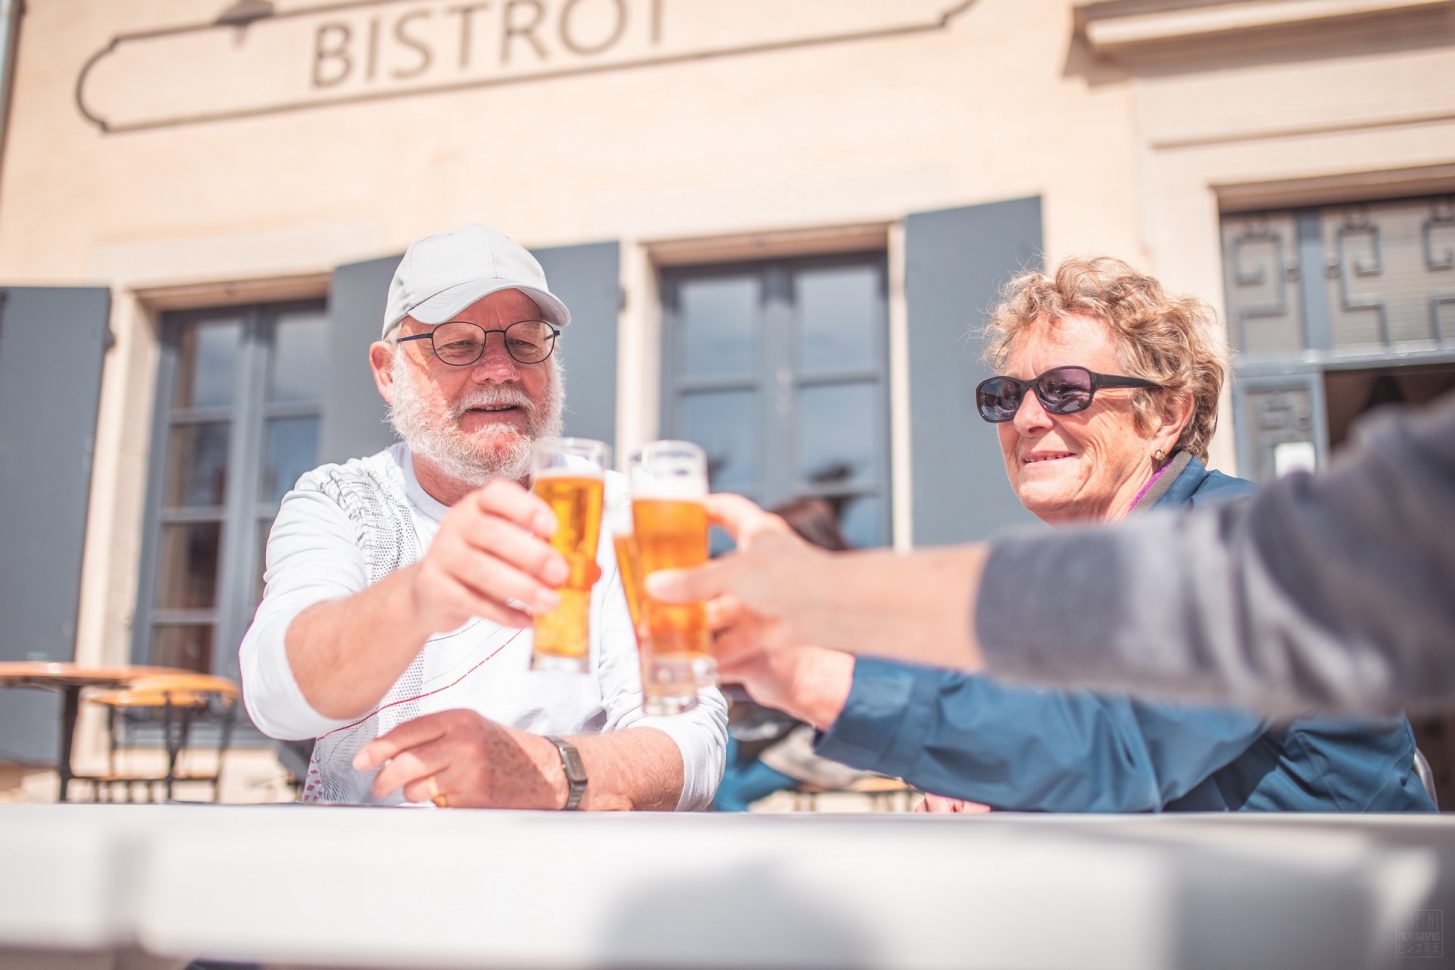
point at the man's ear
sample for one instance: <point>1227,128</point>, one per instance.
<point>381,362</point>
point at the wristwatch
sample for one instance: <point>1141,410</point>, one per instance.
<point>575,770</point>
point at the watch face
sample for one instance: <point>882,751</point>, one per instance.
<point>575,771</point>
<point>571,761</point>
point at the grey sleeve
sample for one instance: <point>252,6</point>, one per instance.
<point>1334,591</point>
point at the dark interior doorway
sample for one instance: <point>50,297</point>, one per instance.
<point>1349,394</point>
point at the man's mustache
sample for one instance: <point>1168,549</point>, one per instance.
<point>497,397</point>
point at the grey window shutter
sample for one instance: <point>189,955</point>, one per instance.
<point>52,342</point>
<point>354,415</point>
<point>957,260</point>
<point>587,279</point>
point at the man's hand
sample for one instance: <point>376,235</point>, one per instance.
<point>936,804</point>
<point>473,762</point>
<point>488,559</point>
<point>810,683</point>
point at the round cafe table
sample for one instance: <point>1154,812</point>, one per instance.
<point>69,679</point>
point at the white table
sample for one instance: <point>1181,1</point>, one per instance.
<point>151,886</point>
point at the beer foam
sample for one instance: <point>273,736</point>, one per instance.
<point>669,490</point>
<point>575,467</point>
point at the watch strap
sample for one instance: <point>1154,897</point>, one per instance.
<point>575,770</point>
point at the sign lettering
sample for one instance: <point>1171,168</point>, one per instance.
<point>370,49</point>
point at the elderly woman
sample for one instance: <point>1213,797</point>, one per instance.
<point>1104,405</point>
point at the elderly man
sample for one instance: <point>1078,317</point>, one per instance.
<point>398,585</point>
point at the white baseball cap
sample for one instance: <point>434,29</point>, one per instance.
<point>442,274</point>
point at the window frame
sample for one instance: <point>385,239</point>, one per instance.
<point>244,507</point>
<point>1303,262</point>
<point>780,377</point>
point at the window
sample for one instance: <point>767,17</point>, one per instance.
<point>778,370</point>
<point>1332,310</point>
<point>238,404</point>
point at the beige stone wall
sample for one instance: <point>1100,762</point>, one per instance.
<point>827,134</point>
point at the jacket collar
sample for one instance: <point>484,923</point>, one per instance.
<point>1181,483</point>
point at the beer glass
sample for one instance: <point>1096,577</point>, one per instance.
<point>569,475</point>
<point>629,565</point>
<point>669,531</point>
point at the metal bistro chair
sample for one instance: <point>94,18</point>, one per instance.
<point>181,700</point>
<point>883,794</point>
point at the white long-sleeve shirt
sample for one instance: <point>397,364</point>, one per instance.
<point>346,526</point>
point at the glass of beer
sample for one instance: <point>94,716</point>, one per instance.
<point>629,564</point>
<point>570,475</point>
<point>669,531</point>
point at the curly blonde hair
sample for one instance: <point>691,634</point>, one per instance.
<point>1172,340</point>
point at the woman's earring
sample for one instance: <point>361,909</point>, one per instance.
<point>1158,455</point>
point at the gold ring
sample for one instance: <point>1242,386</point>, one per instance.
<point>436,796</point>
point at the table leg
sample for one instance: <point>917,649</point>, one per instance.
<point>173,746</point>
<point>70,706</point>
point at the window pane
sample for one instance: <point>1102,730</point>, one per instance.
<point>839,321</point>
<point>862,521</point>
<point>290,450</point>
<point>207,364</point>
<point>838,434</point>
<point>1277,422</point>
<point>725,424</point>
<point>298,358</point>
<point>1260,267</point>
<point>197,465</point>
<point>1388,269</point>
<point>187,565</point>
<point>718,329</point>
<point>183,645</point>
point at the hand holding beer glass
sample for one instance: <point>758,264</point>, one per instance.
<point>669,522</point>
<point>569,474</point>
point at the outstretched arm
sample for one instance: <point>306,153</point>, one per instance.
<point>777,590</point>
<point>1024,749</point>
<point>1335,591</point>
<point>1008,746</point>
<point>326,645</point>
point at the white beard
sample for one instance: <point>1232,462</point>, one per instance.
<point>432,429</point>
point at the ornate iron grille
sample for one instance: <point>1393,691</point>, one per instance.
<point>1344,280</point>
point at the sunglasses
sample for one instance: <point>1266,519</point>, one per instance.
<point>1061,390</point>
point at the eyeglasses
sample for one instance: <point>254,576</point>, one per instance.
<point>460,343</point>
<point>1061,390</point>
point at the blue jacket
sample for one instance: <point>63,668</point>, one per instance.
<point>1025,749</point>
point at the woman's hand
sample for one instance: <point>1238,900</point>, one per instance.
<point>778,591</point>
<point>757,595</point>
